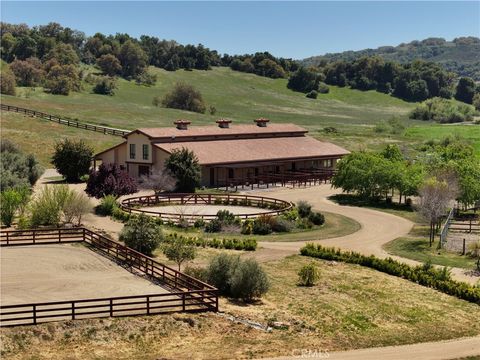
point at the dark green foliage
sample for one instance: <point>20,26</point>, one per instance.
<point>16,168</point>
<point>316,218</point>
<point>442,111</point>
<point>438,279</point>
<point>219,270</point>
<point>105,86</point>
<point>304,209</point>
<point>184,97</point>
<point>107,205</point>
<point>28,72</point>
<point>308,275</point>
<point>72,158</point>
<point>281,225</point>
<point>312,94</point>
<point>304,80</point>
<point>179,250</point>
<point>141,233</point>
<point>226,217</point>
<point>236,244</point>
<point>465,90</point>
<point>132,58</point>
<point>260,63</point>
<point>62,79</point>
<point>146,78</point>
<point>323,88</point>
<point>12,200</point>
<point>263,225</point>
<point>213,226</point>
<point>183,165</point>
<point>109,179</point>
<point>199,223</point>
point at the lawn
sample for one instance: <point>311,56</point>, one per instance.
<point>350,307</point>
<point>336,225</point>
<point>418,249</point>
<point>39,136</point>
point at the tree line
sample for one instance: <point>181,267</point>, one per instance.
<point>415,81</point>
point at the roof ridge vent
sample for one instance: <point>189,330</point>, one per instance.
<point>261,122</point>
<point>182,124</point>
<point>223,123</point>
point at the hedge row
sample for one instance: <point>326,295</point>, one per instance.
<point>428,276</point>
<point>235,244</point>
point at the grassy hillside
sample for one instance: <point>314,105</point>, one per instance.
<point>239,96</point>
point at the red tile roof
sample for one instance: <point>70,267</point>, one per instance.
<point>236,129</point>
<point>262,149</point>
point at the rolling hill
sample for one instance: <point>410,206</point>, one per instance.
<point>460,56</point>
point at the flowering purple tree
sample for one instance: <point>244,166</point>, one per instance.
<point>109,179</point>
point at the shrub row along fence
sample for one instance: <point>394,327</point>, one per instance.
<point>186,294</point>
<point>437,279</point>
<point>133,204</point>
<point>66,121</point>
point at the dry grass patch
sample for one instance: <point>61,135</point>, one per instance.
<point>350,307</point>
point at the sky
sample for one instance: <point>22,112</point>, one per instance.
<point>288,29</point>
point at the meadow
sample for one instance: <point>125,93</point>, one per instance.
<point>355,115</point>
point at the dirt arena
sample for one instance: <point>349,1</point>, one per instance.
<point>204,209</point>
<point>43,273</point>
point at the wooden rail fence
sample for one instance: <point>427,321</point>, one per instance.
<point>275,206</point>
<point>65,121</point>
<point>186,294</point>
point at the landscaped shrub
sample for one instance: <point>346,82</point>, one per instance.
<point>107,205</point>
<point>141,233</point>
<point>226,217</point>
<point>237,244</point>
<point>11,200</point>
<point>179,250</point>
<point>304,209</point>
<point>247,227</point>
<point>196,272</point>
<point>77,205</point>
<point>109,179</point>
<point>248,280</point>
<point>199,223</point>
<point>47,206</point>
<point>304,223</point>
<point>262,225</point>
<point>308,275</point>
<point>316,218</point>
<point>438,279</point>
<point>282,225</point>
<point>213,226</point>
<point>121,215</point>
<point>291,215</point>
<point>219,271</point>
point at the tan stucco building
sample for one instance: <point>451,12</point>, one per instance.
<point>228,154</point>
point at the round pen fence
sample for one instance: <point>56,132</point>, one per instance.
<point>270,206</point>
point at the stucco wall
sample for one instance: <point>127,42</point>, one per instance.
<point>138,140</point>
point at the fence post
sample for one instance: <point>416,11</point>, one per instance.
<point>59,236</point>
<point>8,240</point>
<point>34,232</point>
<point>148,305</point>
<point>111,307</point>
<point>73,310</point>
<point>183,301</point>
<point>216,302</point>
<point>463,250</point>
<point>34,314</point>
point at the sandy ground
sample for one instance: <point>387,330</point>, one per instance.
<point>204,210</point>
<point>44,273</point>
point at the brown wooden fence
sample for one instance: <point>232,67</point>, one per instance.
<point>186,293</point>
<point>65,121</point>
<point>275,206</point>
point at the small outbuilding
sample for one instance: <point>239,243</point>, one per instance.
<point>230,155</point>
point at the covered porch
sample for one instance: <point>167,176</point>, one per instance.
<point>294,173</point>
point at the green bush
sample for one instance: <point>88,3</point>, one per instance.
<point>46,208</point>
<point>219,271</point>
<point>141,233</point>
<point>312,94</point>
<point>316,218</point>
<point>323,88</point>
<point>308,275</point>
<point>11,200</point>
<point>304,223</point>
<point>196,272</point>
<point>304,209</point>
<point>282,225</point>
<point>72,158</point>
<point>16,168</point>
<point>213,226</point>
<point>261,228</point>
<point>121,215</point>
<point>248,280</point>
<point>107,205</point>
<point>425,275</point>
<point>199,223</point>
<point>247,227</point>
<point>105,86</point>
<point>225,217</point>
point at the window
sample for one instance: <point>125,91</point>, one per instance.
<point>327,163</point>
<point>132,151</point>
<point>145,152</point>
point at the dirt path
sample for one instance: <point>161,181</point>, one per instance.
<point>441,350</point>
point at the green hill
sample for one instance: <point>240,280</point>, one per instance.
<point>460,56</point>
<point>358,118</point>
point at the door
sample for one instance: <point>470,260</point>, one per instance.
<point>143,170</point>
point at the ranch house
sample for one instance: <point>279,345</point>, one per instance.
<point>231,155</point>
